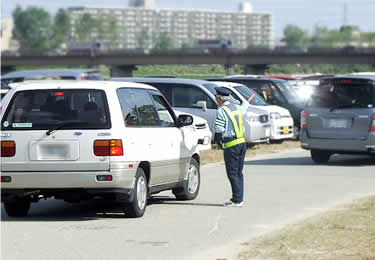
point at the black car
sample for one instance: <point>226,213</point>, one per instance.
<point>274,92</point>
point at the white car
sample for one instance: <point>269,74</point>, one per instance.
<point>77,140</point>
<point>280,119</point>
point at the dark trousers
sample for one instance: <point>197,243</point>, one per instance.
<point>234,159</point>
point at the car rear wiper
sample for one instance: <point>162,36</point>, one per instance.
<point>63,124</point>
<point>350,105</point>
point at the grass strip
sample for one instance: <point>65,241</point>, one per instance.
<point>346,232</point>
<point>216,155</point>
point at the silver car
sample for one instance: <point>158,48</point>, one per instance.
<point>340,118</point>
<point>197,97</point>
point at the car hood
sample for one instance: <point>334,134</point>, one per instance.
<point>276,109</point>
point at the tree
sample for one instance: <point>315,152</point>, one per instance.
<point>295,37</point>
<point>164,42</point>
<point>84,27</point>
<point>62,27</point>
<point>142,38</point>
<point>32,28</point>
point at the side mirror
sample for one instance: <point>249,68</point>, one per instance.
<point>184,120</point>
<point>202,105</point>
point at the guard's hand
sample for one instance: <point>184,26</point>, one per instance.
<point>218,139</point>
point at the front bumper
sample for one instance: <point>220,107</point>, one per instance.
<point>281,128</point>
<point>256,132</point>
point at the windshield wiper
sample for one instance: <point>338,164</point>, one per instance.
<point>350,105</point>
<point>63,124</point>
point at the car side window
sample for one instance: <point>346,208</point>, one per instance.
<point>188,96</point>
<point>145,107</point>
<point>163,110</point>
<point>129,110</point>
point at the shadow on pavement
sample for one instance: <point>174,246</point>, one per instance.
<point>336,160</point>
<point>54,211</point>
<point>172,201</point>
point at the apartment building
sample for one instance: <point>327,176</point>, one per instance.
<point>140,25</point>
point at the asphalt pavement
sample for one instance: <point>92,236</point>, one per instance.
<point>279,189</point>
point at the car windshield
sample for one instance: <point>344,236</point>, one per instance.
<point>344,95</point>
<point>251,96</point>
<point>211,87</point>
<point>62,108</point>
<point>289,92</point>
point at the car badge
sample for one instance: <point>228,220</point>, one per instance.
<point>77,133</point>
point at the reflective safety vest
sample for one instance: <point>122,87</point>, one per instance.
<point>236,118</point>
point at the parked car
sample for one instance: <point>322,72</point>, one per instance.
<point>340,118</point>
<point>4,89</point>
<point>86,139</point>
<point>280,119</point>
<point>274,92</point>
<point>67,74</point>
<point>196,97</point>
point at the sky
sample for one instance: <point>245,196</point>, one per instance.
<point>304,13</point>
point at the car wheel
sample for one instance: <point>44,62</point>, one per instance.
<point>275,141</point>
<point>137,207</point>
<point>191,186</point>
<point>250,145</point>
<point>319,156</point>
<point>18,207</point>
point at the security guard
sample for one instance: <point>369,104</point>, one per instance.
<point>229,128</point>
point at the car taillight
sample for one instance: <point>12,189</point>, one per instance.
<point>372,127</point>
<point>303,120</point>
<point>108,148</point>
<point>8,148</point>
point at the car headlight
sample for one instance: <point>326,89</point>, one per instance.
<point>275,115</point>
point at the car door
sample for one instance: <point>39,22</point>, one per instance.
<point>178,142</point>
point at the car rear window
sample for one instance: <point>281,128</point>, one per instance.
<point>63,108</point>
<point>344,94</point>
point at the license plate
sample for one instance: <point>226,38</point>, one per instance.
<point>338,123</point>
<point>286,130</point>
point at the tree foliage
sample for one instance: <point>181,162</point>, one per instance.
<point>35,29</point>
<point>295,36</point>
<point>164,41</point>
<point>32,28</point>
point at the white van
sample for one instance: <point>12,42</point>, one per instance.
<point>280,119</point>
<point>197,97</point>
<point>77,140</point>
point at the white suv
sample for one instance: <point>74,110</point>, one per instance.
<point>77,140</point>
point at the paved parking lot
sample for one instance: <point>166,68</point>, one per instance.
<point>279,189</point>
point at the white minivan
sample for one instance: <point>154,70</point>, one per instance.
<point>197,97</point>
<point>280,119</point>
<point>78,140</point>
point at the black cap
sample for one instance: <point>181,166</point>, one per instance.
<point>222,91</point>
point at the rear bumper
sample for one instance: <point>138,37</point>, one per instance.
<point>339,145</point>
<point>121,178</point>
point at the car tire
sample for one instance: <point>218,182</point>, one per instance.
<point>18,207</point>
<point>319,156</point>
<point>137,207</point>
<point>250,145</point>
<point>191,186</point>
<point>276,141</point>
